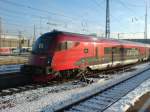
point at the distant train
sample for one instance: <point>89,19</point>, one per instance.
<point>13,50</point>
<point>5,51</point>
<point>62,53</point>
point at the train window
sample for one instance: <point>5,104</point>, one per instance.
<point>122,49</point>
<point>116,50</point>
<point>69,44</point>
<point>42,45</point>
<point>132,52</point>
<point>66,45</point>
<point>85,50</point>
<point>63,46</point>
<point>107,50</point>
<point>76,44</point>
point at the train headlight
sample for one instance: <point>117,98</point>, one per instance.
<point>48,70</point>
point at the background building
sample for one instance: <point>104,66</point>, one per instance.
<point>17,41</point>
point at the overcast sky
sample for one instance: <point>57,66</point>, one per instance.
<point>83,16</point>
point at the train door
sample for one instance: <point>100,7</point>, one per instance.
<point>149,54</point>
<point>117,55</point>
<point>122,54</point>
<point>108,54</point>
<point>112,55</point>
<point>96,52</point>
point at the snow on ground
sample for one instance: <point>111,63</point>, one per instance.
<point>46,100</point>
<point>126,102</point>
<point>32,95</point>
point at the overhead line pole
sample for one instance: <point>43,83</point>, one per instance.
<point>34,35</point>
<point>107,27</point>
<point>145,32</point>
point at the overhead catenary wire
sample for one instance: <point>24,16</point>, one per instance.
<point>37,9</point>
<point>126,6</point>
<point>41,10</point>
<point>47,17</point>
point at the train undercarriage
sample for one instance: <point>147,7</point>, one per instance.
<point>45,74</point>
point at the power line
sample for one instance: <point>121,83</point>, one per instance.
<point>10,11</point>
<point>36,9</point>
<point>40,17</point>
<point>14,24</point>
<point>134,5</point>
<point>6,17</point>
<point>126,7</point>
<point>100,6</point>
<point>35,16</point>
<point>23,13</point>
<point>115,19</point>
<point>39,10</point>
<point>97,3</point>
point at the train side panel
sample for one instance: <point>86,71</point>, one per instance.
<point>70,58</point>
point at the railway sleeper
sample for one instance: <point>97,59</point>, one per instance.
<point>92,105</point>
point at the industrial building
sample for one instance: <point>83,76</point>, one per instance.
<point>14,41</point>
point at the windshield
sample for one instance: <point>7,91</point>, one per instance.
<point>43,44</point>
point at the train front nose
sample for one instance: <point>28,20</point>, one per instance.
<point>39,65</point>
<point>40,60</point>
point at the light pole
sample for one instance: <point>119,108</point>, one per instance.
<point>145,30</point>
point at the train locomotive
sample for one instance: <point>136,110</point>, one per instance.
<point>64,54</point>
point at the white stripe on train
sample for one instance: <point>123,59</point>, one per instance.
<point>115,63</point>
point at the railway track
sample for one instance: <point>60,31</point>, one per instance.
<point>20,79</point>
<point>102,99</point>
<point>10,76</point>
<point>19,83</point>
<point>13,80</point>
<point>26,87</point>
<point>31,92</point>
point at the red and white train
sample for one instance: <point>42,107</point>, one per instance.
<point>59,53</point>
<point>13,50</point>
<point>5,51</point>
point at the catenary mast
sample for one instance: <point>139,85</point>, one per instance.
<point>107,27</point>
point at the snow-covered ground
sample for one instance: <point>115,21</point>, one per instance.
<point>52,98</point>
<point>127,101</point>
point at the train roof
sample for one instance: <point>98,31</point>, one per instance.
<point>89,38</point>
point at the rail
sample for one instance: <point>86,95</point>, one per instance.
<point>100,100</point>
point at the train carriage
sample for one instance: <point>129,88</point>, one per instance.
<point>57,52</point>
<point>5,51</point>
